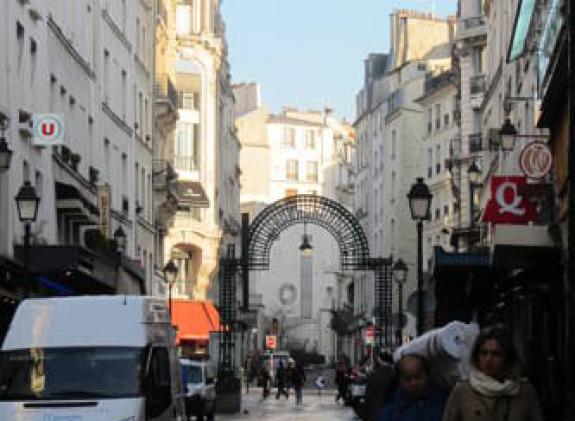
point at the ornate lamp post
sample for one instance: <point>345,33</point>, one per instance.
<point>120,237</point>
<point>170,275</point>
<point>400,275</point>
<point>474,181</point>
<point>419,204</point>
<point>508,134</point>
<point>27,202</point>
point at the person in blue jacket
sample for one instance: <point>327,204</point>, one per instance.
<point>416,399</point>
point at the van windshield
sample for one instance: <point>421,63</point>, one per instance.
<point>70,373</point>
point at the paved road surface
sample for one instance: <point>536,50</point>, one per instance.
<point>314,408</point>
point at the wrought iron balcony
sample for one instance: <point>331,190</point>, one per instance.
<point>475,143</point>
<point>472,27</point>
<point>165,91</point>
<point>185,163</point>
<point>163,174</point>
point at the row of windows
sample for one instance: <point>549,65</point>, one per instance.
<point>292,170</point>
<point>289,139</point>
<point>436,119</point>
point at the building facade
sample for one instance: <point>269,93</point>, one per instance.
<point>298,152</point>
<point>390,139</point>
<point>91,64</point>
<point>205,150</point>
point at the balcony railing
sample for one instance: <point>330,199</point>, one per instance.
<point>165,90</point>
<point>163,173</point>
<point>477,84</point>
<point>475,143</point>
<point>185,163</point>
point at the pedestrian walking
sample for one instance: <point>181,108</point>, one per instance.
<point>281,380</point>
<point>380,385</point>
<point>298,381</point>
<point>266,380</point>
<point>494,390</point>
<point>415,399</point>
<point>341,380</point>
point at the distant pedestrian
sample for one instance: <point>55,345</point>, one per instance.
<point>281,376</point>
<point>298,380</point>
<point>494,390</point>
<point>341,380</point>
<point>265,378</point>
<point>416,399</point>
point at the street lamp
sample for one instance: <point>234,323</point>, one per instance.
<point>170,274</point>
<point>305,247</point>
<point>399,270</point>
<point>508,134</point>
<point>120,237</point>
<point>5,152</point>
<point>419,204</point>
<point>474,174</point>
<point>27,202</point>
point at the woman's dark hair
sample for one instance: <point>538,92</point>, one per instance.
<point>502,335</point>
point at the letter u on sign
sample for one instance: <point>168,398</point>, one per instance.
<point>48,130</point>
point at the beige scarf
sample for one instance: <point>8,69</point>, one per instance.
<point>488,386</point>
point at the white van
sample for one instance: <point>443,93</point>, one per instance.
<point>102,358</point>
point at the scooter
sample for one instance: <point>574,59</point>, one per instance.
<point>357,393</point>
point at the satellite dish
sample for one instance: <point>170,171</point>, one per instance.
<point>428,303</point>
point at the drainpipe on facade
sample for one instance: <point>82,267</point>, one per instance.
<point>570,309</point>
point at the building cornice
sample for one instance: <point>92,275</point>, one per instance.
<point>116,30</point>
<point>75,54</point>
<point>116,119</point>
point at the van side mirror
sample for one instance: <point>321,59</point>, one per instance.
<point>209,380</point>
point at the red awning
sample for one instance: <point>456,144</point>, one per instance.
<point>194,319</point>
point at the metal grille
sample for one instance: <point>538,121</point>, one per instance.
<point>228,309</point>
<point>383,299</point>
<point>330,215</point>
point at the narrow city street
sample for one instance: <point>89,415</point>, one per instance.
<point>314,408</point>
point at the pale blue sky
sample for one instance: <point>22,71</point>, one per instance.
<point>309,53</point>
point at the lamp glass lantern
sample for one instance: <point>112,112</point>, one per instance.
<point>507,134</point>
<point>170,272</point>
<point>27,202</point>
<point>120,237</point>
<point>474,173</point>
<point>400,272</point>
<point>419,200</point>
<point>305,247</point>
<point>5,154</point>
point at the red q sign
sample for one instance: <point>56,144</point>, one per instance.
<point>506,205</point>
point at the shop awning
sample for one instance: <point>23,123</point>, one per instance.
<point>194,319</point>
<point>521,29</point>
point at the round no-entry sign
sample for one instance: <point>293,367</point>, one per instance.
<point>271,341</point>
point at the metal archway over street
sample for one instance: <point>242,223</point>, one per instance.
<point>319,210</point>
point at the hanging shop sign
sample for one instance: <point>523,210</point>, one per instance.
<point>104,208</point>
<point>536,160</point>
<point>507,205</point>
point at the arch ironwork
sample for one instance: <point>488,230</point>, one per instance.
<point>257,240</point>
<point>319,210</point>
